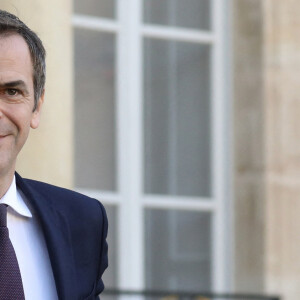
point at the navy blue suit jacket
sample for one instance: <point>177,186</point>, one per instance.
<point>75,230</point>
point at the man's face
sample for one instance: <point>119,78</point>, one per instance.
<point>16,100</point>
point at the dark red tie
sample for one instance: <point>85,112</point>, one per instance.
<point>11,287</point>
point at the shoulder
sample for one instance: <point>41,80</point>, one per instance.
<point>85,221</point>
<point>61,198</point>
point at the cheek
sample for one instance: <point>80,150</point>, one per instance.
<point>20,118</point>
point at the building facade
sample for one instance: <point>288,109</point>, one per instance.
<point>183,121</point>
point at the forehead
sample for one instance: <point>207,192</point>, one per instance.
<point>15,59</point>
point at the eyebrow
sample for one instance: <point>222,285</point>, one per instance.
<point>15,84</point>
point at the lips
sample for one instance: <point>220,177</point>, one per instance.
<point>3,136</point>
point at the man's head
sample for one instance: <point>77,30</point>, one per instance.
<point>22,79</point>
<point>10,24</point>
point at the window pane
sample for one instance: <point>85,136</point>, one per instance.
<point>178,250</point>
<point>110,275</point>
<point>95,161</point>
<point>194,14</point>
<point>177,118</point>
<point>98,8</point>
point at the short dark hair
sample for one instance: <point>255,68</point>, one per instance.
<point>10,24</point>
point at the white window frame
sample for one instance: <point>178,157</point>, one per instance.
<point>130,200</point>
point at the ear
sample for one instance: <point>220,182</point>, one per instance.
<point>35,119</point>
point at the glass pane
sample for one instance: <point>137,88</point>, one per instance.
<point>97,8</point>
<point>95,157</point>
<point>110,275</point>
<point>177,118</point>
<point>193,14</point>
<point>178,250</point>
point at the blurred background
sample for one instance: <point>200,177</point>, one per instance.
<point>182,117</point>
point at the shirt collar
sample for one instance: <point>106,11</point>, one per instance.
<point>14,200</point>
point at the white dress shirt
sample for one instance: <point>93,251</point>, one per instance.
<point>27,238</point>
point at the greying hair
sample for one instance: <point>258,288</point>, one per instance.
<point>10,24</point>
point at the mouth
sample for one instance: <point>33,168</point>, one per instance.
<point>2,136</point>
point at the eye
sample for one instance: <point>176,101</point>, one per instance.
<point>12,92</point>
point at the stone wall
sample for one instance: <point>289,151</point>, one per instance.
<point>282,118</point>
<point>266,76</point>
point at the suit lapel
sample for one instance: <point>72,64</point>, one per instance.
<point>56,232</point>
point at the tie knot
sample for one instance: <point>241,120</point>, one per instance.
<point>3,215</point>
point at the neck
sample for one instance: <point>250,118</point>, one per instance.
<point>5,182</point>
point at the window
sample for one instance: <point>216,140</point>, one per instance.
<point>150,142</point>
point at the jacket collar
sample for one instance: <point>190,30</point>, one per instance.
<point>57,237</point>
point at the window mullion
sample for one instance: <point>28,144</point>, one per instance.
<point>131,241</point>
<point>219,134</point>
<point>95,23</point>
<point>178,34</point>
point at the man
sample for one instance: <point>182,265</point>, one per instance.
<point>58,236</point>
